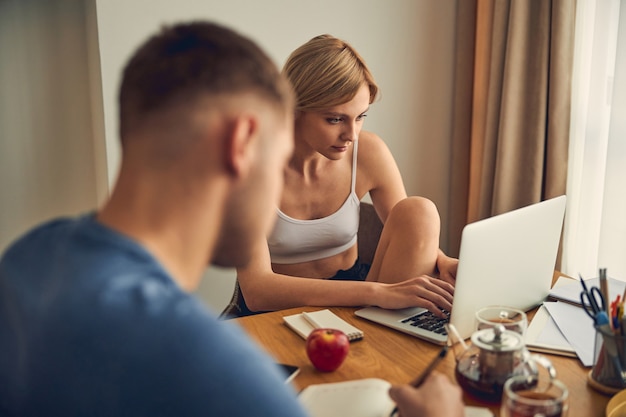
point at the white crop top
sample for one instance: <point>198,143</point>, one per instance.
<point>294,241</point>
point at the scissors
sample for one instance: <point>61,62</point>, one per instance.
<point>592,300</point>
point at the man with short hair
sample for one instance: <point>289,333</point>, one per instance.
<point>95,314</point>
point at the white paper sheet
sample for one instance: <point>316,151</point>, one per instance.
<point>577,327</point>
<point>567,289</point>
<point>543,335</point>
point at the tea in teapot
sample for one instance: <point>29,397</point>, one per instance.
<point>494,355</point>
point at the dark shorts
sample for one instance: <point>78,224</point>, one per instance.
<point>358,272</point>
<point>239,308</point>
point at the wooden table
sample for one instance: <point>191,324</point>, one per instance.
<point>396,357</point>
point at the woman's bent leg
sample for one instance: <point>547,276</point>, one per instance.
<point>409,243</point>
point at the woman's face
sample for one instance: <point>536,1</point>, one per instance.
<point>331,131</point>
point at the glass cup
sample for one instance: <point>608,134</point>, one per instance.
<point>511,318</point>
<point>525,397</point>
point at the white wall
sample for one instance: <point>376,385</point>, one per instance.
<point>406,43</point>
<point>407,46</point>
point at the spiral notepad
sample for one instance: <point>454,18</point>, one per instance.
<point>324,318</point>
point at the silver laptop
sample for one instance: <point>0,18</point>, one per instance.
<point>507,259</point>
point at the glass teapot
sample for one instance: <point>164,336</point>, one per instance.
<point>494,355</point>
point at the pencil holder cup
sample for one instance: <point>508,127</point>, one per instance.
<point>608,374</point>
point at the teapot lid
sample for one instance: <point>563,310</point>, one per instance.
<point>497,339</point>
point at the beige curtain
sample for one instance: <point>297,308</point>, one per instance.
<point>52,154</point>
<point>511,121</point>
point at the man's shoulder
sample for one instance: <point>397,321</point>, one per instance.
<point>40,233</point>
<point>49,237</point>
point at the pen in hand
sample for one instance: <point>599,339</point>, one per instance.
<point>422,377</point>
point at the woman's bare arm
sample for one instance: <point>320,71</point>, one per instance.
<point>265,290</point>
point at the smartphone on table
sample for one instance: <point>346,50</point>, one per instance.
<point>290,371</point>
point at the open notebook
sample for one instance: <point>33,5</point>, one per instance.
<point>358,398</point>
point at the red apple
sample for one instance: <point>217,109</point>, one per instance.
<point>327,348</point>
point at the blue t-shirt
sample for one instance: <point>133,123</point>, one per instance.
<point>92,325</point>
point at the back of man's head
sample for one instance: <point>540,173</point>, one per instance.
<point>188,61</point>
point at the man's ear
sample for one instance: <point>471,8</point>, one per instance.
<point>239,144</point>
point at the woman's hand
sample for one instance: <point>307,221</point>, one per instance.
<point>436,397</point>
<point>423,291</point>
<point>447,267</point>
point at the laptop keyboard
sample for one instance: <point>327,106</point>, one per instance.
<point>428,321</point>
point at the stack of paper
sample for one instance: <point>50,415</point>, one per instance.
<point>568,290</point>
<point>564,328</point>
<point>543,335</point>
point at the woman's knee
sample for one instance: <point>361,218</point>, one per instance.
<point>416,209</point>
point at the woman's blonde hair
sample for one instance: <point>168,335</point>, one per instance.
<point>325,72</point>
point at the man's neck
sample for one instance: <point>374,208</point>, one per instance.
<point>178,230</point>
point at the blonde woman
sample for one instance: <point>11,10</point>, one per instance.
<point>311,256</point>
